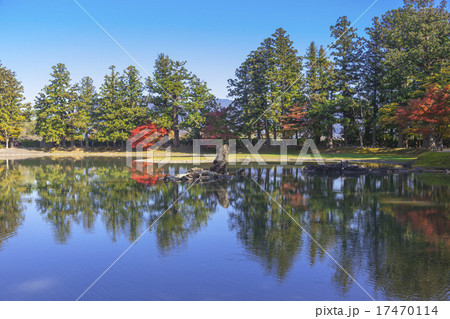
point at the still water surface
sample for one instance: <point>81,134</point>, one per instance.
<point>63,222</point>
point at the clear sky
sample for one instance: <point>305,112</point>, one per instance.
<point>212,36</point>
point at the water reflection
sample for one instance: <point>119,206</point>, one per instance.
<point>394,228</point>
<point>12,189</point>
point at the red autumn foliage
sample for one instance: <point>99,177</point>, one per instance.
<point>145,174</point>
<point>428,115</point>
<point>141,135</point>
<point>217,125</point>
<point>293,194</point>
<point>432,223</point>
<point>295,120</point>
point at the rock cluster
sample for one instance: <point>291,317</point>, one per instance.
<point>203,175</point>
<point>338,168</point>
<point>218,171</point>
<point>346,169</point>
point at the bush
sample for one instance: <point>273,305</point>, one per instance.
<point>29,143</point>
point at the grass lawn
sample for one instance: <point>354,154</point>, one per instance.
<point>341,153</point>
<point>433,159</point>
<point>420,157</point>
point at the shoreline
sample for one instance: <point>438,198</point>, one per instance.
<point>180,157</point>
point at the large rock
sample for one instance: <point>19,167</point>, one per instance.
<point>220,163</point>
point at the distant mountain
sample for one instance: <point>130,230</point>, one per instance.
<point>224,102</point>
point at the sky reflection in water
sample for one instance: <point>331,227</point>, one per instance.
<point>63,222</point>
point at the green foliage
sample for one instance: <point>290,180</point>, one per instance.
<point>322,104</point>
<point>13,111</point>
<point>267,85</point>
<point>55,107</point>
<point>180,100</point>
<point>347,53</point>
<point>108,113</point>
<point>405,51</point>
<point>83,110</point>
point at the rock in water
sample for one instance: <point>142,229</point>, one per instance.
<point>220,163</point>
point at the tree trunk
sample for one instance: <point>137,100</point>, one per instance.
<point>266,127</point>
<point>175,127</point>
<point>400,140</point>
<point>7,143</point>
<point>345,135</point>
<point>72,143</point>
<point>439,144</point>
<point>330,136</point>
<point>429,141</point>
<point>274,133</point>
<point>361,142</point>
<point>374,135</point>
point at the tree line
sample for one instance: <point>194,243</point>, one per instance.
<point>389,88</point>
<point>173,97</point>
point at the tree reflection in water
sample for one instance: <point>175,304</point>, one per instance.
<point>13,187</point>
<point>394,228</point>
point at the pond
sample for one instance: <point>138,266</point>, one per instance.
<point>63,222</point>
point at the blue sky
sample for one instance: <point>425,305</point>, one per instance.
<point>213,36</point>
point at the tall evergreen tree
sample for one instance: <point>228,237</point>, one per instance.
<point>267,85</point>
<point>134,110</point>
<point>417,45</point>
<point>374,73</point>
<point>284,76</point>
<point>85,104</point>
<point>239,89</point>
<point>12,108</point>
<point>347,51</point>
<point>179,98</point>
<point>108,108</point>
<point>200,103</point>
<point>53,106</point>
<point>320,89</point>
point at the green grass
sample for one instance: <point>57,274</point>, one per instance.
<point>421,157</point>
<point>273,154</point>
<point>433,159</point>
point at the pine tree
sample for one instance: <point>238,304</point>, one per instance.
<point>107,114</point>
<point>53,107</point>
<point>239,110</point>
<point>374,73</point>
<point>267,85</point>
<point>180,99</point>
<point>167,90</point>
<point>415,38</point>
<point>200,103</point>
<point>85,104</point>
<point>134,110</point>
<point>347,51</point>
<point>321,105</point>
<point>284,76</point>
<point>12,109</point>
